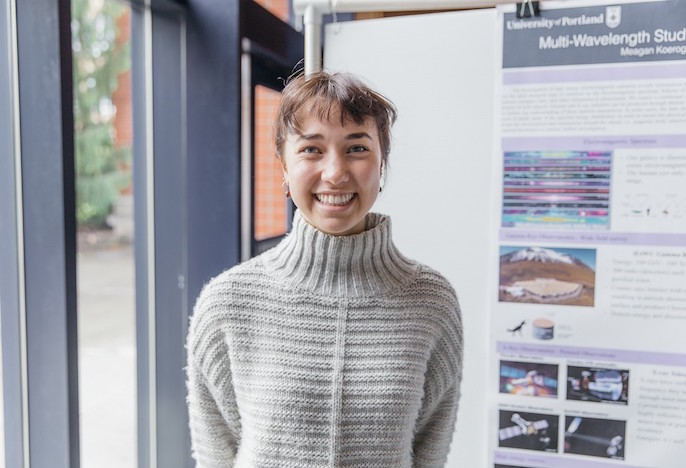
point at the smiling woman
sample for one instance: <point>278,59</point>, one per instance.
<point>332,348</point>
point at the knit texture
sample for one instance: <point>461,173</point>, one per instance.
<point>325,351</point>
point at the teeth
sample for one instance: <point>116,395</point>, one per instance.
<point>335,199</point>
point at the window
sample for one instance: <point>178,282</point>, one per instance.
<point>104,212</point>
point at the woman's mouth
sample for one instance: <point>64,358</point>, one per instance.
<point>338,199</point>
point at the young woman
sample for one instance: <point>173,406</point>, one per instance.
<point>331,349</point>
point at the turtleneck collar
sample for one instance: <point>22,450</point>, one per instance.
<point>358,265</point>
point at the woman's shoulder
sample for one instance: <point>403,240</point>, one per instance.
<point>223,293</point>
<point>433,281</point>
<point>228,279</point>
<point>437,293</point>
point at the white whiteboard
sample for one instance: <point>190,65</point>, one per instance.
<point>439,70</point>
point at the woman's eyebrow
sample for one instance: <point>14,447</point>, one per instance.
<point>355,136</point>
<point>319,136</point>
<point>311,136</point>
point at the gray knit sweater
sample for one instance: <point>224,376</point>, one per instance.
<point>325,352</point>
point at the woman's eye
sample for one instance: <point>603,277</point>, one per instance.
<point>310,150</point>
<point>357,149</point>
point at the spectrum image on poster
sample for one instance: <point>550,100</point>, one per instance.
<point>557,189</point>
<point>547,275</point>
<point>528,378</point>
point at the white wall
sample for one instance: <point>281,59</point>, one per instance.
<point>439,70</point>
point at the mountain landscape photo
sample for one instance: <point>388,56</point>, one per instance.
<point>547,275</point>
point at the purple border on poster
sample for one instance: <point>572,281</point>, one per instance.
<point>596,354</point>
<point>566,75</point>
<point>550,461</point>
<point>596,143</point>
<point>595,237</point>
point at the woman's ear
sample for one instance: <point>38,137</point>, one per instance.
<point>284,171</point>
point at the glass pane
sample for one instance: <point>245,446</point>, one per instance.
<point>105,264</point>
<point>271,204</point>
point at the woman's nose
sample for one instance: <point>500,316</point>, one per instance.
<point>335,171</point>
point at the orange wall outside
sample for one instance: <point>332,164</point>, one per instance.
<point>270,202</point>
<point>271,206</point>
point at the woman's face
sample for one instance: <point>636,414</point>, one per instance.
<point>333,172</point>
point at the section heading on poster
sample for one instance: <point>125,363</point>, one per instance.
<point>613,34</point>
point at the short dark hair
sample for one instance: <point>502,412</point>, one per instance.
<point>330,92</point>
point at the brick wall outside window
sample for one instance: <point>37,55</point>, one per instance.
<point>271,205</point>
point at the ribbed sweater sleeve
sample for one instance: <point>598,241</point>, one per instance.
<point>436,421</point>
<point>213,416</point>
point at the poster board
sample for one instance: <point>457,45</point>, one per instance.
<point>440,166</point>
<point>446,196</point>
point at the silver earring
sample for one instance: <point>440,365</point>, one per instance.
<point>382,180</point>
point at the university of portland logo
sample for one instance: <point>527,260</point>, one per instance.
<point>613,16</point>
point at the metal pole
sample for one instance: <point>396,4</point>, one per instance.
<point>313,40</point>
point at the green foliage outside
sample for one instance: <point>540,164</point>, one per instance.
<point>97,61</point>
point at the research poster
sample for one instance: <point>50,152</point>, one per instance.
<point>588,308</point>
